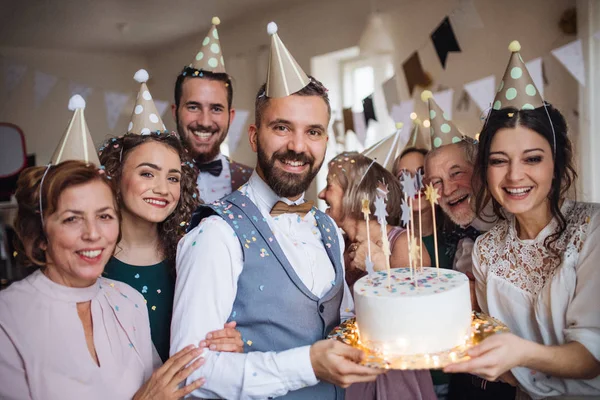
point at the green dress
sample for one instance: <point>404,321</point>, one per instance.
<point>445,256</point>
<point>157,284</point>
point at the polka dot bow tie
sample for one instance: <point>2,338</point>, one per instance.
<point>282,208</point>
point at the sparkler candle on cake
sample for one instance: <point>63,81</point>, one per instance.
<point>366,212</point>
<point>432,195</point>
<point>409,189</point>
<point>406,216</point>
<point>419,187</point>
<point>381,214</point>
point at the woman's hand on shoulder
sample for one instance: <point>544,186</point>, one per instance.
<point>227,339</point>
<point>164,382</point>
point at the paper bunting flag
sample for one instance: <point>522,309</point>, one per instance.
<point>368,109</point>
<point>348,119</point>
<point>42,85</point>
<point>414,73</point>
<point>360,128</point>
<point>466,15</point>
<point>482,91</point>
<point>236,129</point>
<point>13,73</point>
<point>571,56</point>
<point>390,92</point>
<point>444,41</point>
<point>114,103</point>
<point>161,107</point>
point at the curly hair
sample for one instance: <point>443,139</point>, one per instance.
<point>113,154</point>
<point>28,224</point>
<point>541,121</point>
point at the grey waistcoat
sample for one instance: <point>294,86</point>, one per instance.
<point>274,310</point>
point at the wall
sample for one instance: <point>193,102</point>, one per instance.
<point>316,27</point>
<point>44,126</point>
<point>308,29</point>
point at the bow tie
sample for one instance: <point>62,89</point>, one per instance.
<point>470,232</point>
<point>282,208</point>
<point>214,167</point>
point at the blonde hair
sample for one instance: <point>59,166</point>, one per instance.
<point>359,176</point>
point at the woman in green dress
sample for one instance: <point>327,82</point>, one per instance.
<point>157,193</point>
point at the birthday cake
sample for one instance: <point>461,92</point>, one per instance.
<point>425,315</point>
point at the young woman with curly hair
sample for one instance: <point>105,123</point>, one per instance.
<point>156,191</point>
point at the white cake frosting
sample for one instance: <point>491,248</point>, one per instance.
<point>435,316</point>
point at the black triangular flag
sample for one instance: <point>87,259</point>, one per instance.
<point>444,41</point>
<point>368,109</point>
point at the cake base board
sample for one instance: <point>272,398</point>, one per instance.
<point>482,326</point>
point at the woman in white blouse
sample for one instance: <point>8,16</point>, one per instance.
<point>538,270</point>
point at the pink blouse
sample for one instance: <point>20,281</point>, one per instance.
<point>43,349</point>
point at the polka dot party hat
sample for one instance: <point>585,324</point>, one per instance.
<point>210,58</point>
<point>517,88</point>
<point>145,117</point>
<point>284,76</point>
<point>442,130</point>
<point>76,143</point>
<point>417,139</point>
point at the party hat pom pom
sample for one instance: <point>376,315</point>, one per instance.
<point>399,125</point>
<point>426,95</point>
<point>141,76</point>
<point>514,46</point>
<point>418,121</point>
<point>272,28</point>
<point>216,21</point>
<point>76,102</point>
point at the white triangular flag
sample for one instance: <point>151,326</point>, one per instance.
<point>482,91</point>
<point>360,127</point>
<point>114,103</point>
<point>13,74</point>
<point>571,56</point>
<point>82,90</point>
<point>444,100</point>
<point>161,106</point>
<point>466,15</point>
<point>42,85</point>
<point>236,129</point>
<point>401,112</point>
<point>390,92</point>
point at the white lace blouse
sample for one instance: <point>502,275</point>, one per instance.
<point>552,300</point>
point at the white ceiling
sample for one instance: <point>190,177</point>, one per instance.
<point>114,25</point>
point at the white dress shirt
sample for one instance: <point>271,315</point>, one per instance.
<point>213,188</point>
<point>209,262</point>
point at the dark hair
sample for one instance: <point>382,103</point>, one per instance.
<point>113,154</point>
<point>396,169</point>
<point>359,177</point>
<point>28,223</point>
<point>193,73</point>
<point>314,88</point>
<point>538,120</point>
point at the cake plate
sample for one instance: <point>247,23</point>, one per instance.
<point>482,326</point>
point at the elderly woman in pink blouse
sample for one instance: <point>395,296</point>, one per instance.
<point>65,333</point>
